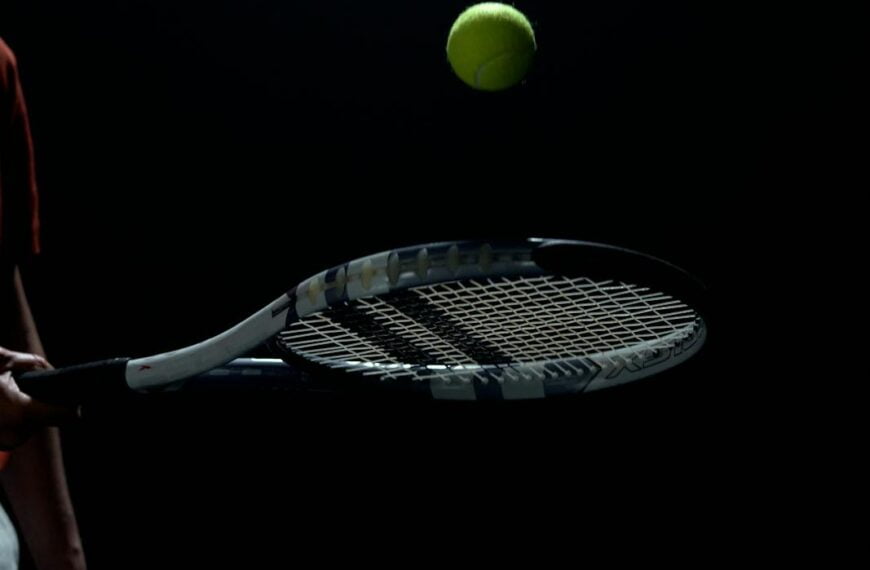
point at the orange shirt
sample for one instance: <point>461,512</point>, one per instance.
<point>19,203</point>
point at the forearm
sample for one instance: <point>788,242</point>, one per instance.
<point>36,485</point>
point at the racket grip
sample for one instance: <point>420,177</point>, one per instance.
<point>76,384</point>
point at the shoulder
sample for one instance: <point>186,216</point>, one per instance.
<point>8,64</point>
<point>7,56</point>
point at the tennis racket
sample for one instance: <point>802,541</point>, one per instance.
<point>454,320</point>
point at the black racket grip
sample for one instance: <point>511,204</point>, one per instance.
<point>77,384</point>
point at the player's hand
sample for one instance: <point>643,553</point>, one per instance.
<point>21,415</point>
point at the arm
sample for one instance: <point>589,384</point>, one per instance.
<point>34,476</point>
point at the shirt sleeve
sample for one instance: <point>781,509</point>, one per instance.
<point>19,201</point>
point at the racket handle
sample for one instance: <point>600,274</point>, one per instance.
<point>75,384</point>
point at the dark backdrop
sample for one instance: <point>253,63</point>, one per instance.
<point>197,158</point>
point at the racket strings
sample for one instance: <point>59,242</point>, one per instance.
<point>485,323</point>
<point>443,323</point>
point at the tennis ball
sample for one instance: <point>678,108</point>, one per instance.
<point>491,46</point>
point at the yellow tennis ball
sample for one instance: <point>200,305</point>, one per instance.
<point>491,46</point>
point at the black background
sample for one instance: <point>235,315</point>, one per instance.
<point>196,159</point>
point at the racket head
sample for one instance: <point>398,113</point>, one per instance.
<point>484,320</point>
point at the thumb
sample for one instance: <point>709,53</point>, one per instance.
<point>22,361</point>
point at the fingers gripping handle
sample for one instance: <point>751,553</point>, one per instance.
<point>77,384</point>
